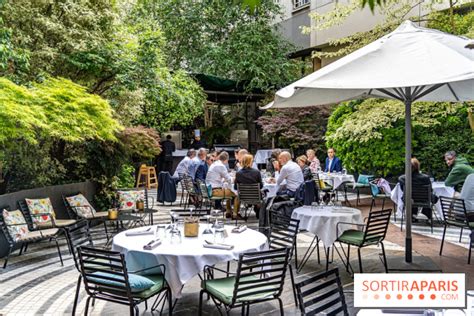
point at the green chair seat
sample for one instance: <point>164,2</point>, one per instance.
<point>361,185</point>
<point>159,281</point>
<point>380,196</point>
<point>355,237</point>
<point>223,290</point>
<point>471,224</point>
<point>458,224</point>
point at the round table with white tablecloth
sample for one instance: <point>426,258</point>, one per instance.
<point>336,179</point>
<point>187,259</point>
<point>439,189</point>
<point>322,221</point>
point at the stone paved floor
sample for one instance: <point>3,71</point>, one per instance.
<point>36,284</point>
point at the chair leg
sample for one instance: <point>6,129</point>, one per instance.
<point>59,251</point>
<point>200,303</point>
<point>26,247</point>
<point>383,203</point>
<point>21,249</point>
<point>471,242</point>
<point>296,255</point>
<point>8,256</point>
<point>243,309</point>
<point>87,305</point>
<point>282,312</point>
<point>442,240</point>
<point>384,257</point>
<point>348,256</point>
<point>460,235</point>
<point>292,278</point>
<point>360,260</point>
<point>372,204</point>
<point>76,296</point>
<point>358,197</point>
<point>170,302</point>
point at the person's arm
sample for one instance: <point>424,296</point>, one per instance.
<point>282,176</point>
<point>225,174</point>
<point>339,165</point>
<point>453,178</point>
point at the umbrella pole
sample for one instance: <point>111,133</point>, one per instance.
<point>408,211</point>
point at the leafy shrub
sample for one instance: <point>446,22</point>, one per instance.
<point>141,142</point>
<point>369,136</point>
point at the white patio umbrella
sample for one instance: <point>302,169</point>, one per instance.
<point>410,64</point>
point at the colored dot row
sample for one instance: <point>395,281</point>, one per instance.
<point>400,296</point>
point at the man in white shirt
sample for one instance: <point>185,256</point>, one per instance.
<point>184,166</point>
<point>291,173</point>
<point>216,176</point>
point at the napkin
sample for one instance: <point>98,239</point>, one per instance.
<point>218,246</point>
<point>148,231</point>
<point>152,244</point>
<point>239,229</point>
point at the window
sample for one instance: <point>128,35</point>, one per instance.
<point>297,4</point>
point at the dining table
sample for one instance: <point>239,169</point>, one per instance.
<point>186,259</point>
<point>322,222</point>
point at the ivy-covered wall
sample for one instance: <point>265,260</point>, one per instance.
<point>369,136</point>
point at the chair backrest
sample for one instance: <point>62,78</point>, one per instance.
<point>26,214</point>
<point>364,178</point>
<point>283,232</point>
<point>203,189</point>
<point>454,211</point>
<point>421,195</point>
<point>3,226</point>
<point>249,193</point>
<point>78,235</point>
<point>376,227</point>
<point>260,275</point>
<point>69,208</point>
<point>105,273</point>
<point>322,295</point>
<point>196,212</point>
<point>188,185</point>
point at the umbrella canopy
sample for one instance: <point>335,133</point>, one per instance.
<point>410,64</point>
<point>410,56</point>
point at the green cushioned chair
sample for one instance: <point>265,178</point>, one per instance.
<point>363,182</point>
<point>106,278</point>
<point>377,194</point>
<point>455,214</point>
<point>259,278</point>
<point>373,234</point>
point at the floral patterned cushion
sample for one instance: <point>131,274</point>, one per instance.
<point>43,207</point>
<point>16,224</point>
<point>81,206</point>
<point>128,199</point>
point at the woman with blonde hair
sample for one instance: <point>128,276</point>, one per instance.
<point>302,161</point>
<point>248,175</point>
<point>313,161</point>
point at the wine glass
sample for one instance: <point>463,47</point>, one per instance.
<point>208,229</point>
<point>192,208</point>
<point>215,214</point>
<point>219,232</point>
<point>314,205</point>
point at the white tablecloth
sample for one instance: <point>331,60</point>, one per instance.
<point>262,155</point>
<point>186,260</point>
<point>322,222</point>
<point>272,189</point>
<point>336,179</point>
<point>439,189</point>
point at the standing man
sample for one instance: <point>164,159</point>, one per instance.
<point>166,157</point>
<point>220,181</point>
<point>460,169</point>
<point>198,143</point>
<point>291,173</point>
<point>333,164</point>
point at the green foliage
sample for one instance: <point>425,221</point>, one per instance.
<point>56,108</point>
<point>214,38</point>
<point>141,142</point>
<point>126,178</point>
<point>300,128</point>
<point>369,135</point>
<point>455,24</point>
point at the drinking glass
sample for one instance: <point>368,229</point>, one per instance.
<point>208,229</point>
<point>314,205</point>
<point>344,171</point>
<point>216,214</point>
<point>219,232</point>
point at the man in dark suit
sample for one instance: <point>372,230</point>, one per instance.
<point>333,164</point>
<point>168,147</point>
<point>203,167</point>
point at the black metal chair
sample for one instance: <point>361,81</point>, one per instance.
<point>49,234</point>
<point>322,295</point>
<point>323,186</point>
<point>249,196</point>
<point>421,197</point>
<point>260,277</point>
<point>149,208</point>
<point>200,213</point>
<point>283,234</point>
<point>377,194</point>
<point>106,277</point>
<point>53,222</point>
<point>208,199</point>
<point>190,191</point>
<point>373,234</point>
<point>455,214</point>
<point>78,235</point>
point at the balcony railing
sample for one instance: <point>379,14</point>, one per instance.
<point>298,4</point>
